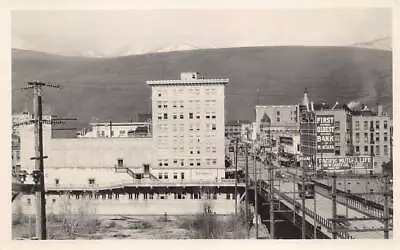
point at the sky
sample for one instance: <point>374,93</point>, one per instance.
<point>105,33</point>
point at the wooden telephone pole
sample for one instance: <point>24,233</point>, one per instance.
<point>247,192</point>
<point>38,172</point>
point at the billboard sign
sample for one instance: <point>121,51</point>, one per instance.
<point>325,133</point>
<point>345,162</point>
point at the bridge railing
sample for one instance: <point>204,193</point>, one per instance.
<point>321,220</point>
<point>355,201</point>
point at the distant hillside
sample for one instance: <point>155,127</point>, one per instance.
<point>115,88</point>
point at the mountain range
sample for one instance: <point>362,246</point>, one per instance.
<point>115,88</point>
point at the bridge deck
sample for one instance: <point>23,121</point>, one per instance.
<point>323,206</point>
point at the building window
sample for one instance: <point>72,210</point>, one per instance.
<point>337,138</point>
<point>377,137</point>
<point>385,150</point>
<point>92,181</point>
<point>357,149</point>
<point>385,124</point>
<point>366,137</point>
<point>337,150</point>
<point>213,115</point>
<point>337,125</point>
<point>377,124</point>
<point>190,115</point>
<point>120,162</point>
<point>278,119</point>
<point>159,175</point>
<point>357,137</point>
<point>377,150</point>
<point>121,132</point>
<point>182,163</point>
<point>214,126</point>
<point>175,176</point>
<point>365,125</point>
<point>165,175</point>
<point>181,116</point>
<point>365,149</point>
<point>385,136</point>
<point>159,94</point>
<point>357,125</point>
<point>57,181</point>
<point>165,116</point>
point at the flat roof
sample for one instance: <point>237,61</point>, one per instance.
<point>188,82</point>
<point>119,123</point>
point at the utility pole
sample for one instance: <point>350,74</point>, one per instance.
<point>247,192</point>
<point>294,197</point>
<point>271,201</point>
<point>255,193</point>
<point>334,212</point>
<point>236,177</point>
<point>315,215</point>
<point>386,208</point>
<point>303,205</point>
<point>38,172</point>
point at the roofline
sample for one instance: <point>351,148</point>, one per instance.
<point>190,82</point>
<point>288,105</point>
<point>119,123</point>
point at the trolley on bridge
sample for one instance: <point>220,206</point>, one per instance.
<point>309,189</point>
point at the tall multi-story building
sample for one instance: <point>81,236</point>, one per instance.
<point>188,128</point>
<point>342,121</point>
<point>308,136</point>
<point>372,135</point>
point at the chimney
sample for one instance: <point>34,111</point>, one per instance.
<point>312,106</point>
<point>380,110</point>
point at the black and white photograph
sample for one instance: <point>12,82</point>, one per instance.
<point>263,124</point>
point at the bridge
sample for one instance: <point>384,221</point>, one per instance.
<point>363,216</point>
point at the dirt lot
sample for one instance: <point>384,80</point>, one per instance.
<point>115,227</point>
<point>118,227</point>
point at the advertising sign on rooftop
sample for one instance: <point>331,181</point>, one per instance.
<point>325,133</point>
